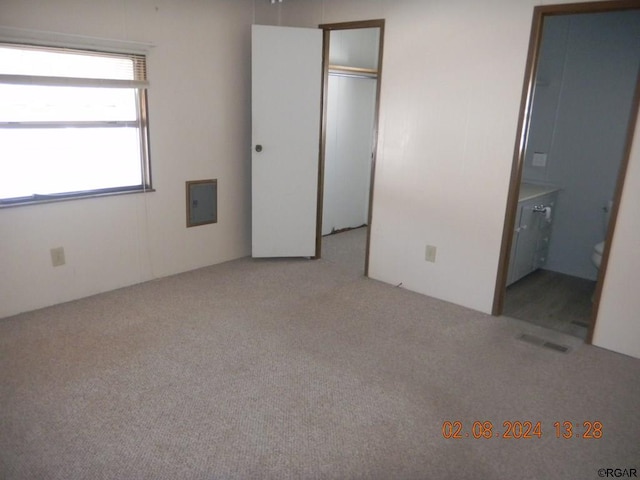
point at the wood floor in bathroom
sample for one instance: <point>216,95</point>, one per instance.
<point>552,300</point>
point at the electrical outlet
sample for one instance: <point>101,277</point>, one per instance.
<point>430,254</point>
<point>57,256</point>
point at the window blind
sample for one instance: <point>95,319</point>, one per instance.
<point>52,66</point>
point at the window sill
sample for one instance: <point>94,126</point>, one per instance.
<point>63,197</point>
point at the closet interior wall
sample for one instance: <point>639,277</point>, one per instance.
<point>351,101</point>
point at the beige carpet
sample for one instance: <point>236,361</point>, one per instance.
<point>297,369</point>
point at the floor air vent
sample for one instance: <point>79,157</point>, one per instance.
<point>525,337</point>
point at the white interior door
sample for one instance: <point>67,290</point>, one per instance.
<point>286,104</point>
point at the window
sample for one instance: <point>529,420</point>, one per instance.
<point>73,123</point>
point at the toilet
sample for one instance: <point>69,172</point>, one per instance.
<point>596,256</point>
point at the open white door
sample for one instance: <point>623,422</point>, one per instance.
<point>286,104</point>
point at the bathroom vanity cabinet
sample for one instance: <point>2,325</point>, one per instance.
<point>532,232</point>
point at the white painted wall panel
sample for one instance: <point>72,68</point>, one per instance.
<point>618,326</point>
<point>446,145</point>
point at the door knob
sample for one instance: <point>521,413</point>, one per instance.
<point>258,148</point>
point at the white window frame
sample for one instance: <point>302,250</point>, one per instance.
<point>47,40</point>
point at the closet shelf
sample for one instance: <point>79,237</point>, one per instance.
<point>353,71</point>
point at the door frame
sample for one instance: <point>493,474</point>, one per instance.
<point>326,30</point>
<point>539,14</point>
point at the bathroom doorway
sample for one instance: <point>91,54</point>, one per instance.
<point>579,107</point>
<point>352,67</point>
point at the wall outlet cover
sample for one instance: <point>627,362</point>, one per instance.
<point>57,256</point>
<point>430,253</point>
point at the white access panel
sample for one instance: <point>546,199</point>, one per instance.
<point>286,107</point>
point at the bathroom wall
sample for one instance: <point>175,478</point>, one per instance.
<point>585,85</point>
<point>349,136</point>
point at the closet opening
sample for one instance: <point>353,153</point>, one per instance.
<point>352,66</point>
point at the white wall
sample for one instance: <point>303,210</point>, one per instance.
<point>199,71</point>
<point>618,326</point>
<point>451,86</point>
<point>580,117</point>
